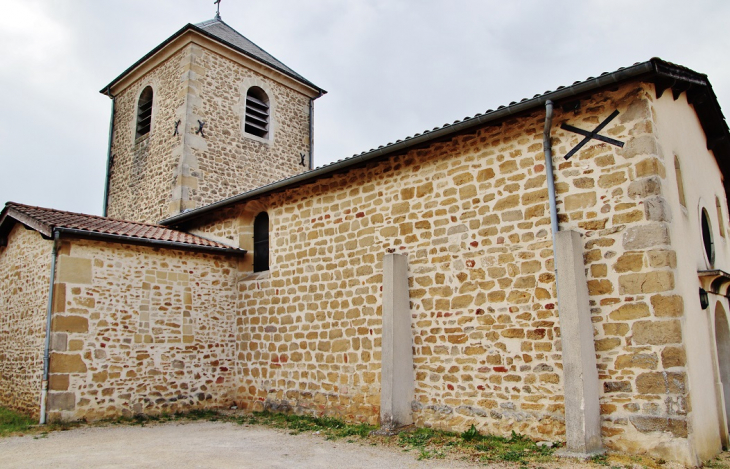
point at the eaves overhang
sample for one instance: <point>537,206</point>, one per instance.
<point>10,216</point>
<point>92,235</point>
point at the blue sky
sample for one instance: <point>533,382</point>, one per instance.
<point>392,67</point>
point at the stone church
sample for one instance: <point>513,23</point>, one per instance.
<point>557,266</point>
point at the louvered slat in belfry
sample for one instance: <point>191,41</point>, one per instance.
<point>257,126</point>
<point>251,99</point>
<point>256,112</point>
<point>256,118</point>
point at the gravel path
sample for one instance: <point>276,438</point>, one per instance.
<point>199,444</point>
<point>204,444</point>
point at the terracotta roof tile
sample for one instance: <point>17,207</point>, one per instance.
<point>45,220</point>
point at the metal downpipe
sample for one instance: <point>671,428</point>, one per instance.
<point>47,343</point>
<point>109,154</point>
<point>311,134</point>
<point>548,150</point>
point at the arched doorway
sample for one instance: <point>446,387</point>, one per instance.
<point>722,344</point>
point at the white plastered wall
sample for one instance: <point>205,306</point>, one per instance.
<point>680,133</point>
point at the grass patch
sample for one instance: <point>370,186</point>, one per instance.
<point>716,463</point>
<point>432,443</point>
<point>332,428</point>
<point>517,450</point>
<point>13,422</point>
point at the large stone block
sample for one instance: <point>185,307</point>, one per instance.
<point>646,236</point>
<point>70,324</point>
<point>650,167</point>
<point>599,287</point>
<point>647,424</point>
<point>67,363</point>
<point>616,386</point>
<point>535,197</point>
<point>630,311</point>
<point>647,361</point>
<point>629,262</point>
<point>511,201</point>
<point>662,258</point>
<point>657,332</point>
<point>643,145</point>
<point>667,306</point>
<point>580,201</point>
<point>59,342</point>
<point>657,209</point>
<point>650,282</point>
<point>58,382</point>
<point>61,401</point>
<point>74,270</point>
<point>673,356</point>
<point>613,179</point>
<point>661,383</point>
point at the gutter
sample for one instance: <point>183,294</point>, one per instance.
<point>109,153</point>
<point>47,342</point>
<point>146,242</point>
<point>311,133</point>
<point>480,120</point>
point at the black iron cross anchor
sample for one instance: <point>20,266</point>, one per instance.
<point>200,129</point>
<point>592,135</point>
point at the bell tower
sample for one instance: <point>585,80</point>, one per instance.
<point>202,117</point>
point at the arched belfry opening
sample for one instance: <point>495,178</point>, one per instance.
<point>722,345</point>
<point>257,112</point>
<point>144,112</point>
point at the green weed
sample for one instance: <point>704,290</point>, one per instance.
<point>600,459</point>
<point>332,428</point>
<point>13,422</point>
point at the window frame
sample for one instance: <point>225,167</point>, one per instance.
<point>257,113</point>
<point>144,114</point>
<point>261,244</point>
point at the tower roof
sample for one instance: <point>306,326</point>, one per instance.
<point>221,32</point>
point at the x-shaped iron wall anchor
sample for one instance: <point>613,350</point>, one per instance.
<point>592,135</point>
<point>301,159</point>
<point>200,129</point>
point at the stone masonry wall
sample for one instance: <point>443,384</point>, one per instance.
<point>472,216</point>
<point>163,174</point>
<point>231,162</point>
<point>143,170</point>
<point>137,329</point>
<point>25,266</point>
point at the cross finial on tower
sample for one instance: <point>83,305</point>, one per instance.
<point>218,10</point>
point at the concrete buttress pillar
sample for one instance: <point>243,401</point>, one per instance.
<point>397,382</point>
<point>580,376</point>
